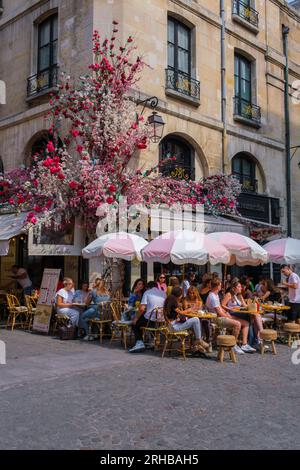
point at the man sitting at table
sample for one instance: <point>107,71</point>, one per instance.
<point>225,320</point>
<point>153,298</point>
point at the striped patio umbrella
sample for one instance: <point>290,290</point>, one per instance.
<point>121,245</point>
<point>185,247</point>
<point>284,250</point>
<point>243,250</point>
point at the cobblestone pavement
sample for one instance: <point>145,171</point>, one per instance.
<point>75,395</point>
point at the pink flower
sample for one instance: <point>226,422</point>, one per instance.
<point>61,176</point>
<point>73,185</point>
<point>79,148</point>
<point>110,200</point>
<point>75,133</point>
<point>50,146</point>
<point>112,188</point>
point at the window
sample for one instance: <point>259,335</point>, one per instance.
<point>47,44</point>
<point>244,106</point>
<point>244,12</point>
<point>46,76</point>
<point>179,68</point>
<point>244,168</point>
<point>242,78</point>
<point>184,166</point>
<point>1,165</point>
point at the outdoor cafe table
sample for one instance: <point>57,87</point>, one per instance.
<point>275,309</point>
<point>204,316</point>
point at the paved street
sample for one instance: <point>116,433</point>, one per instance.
<point>75,395</point>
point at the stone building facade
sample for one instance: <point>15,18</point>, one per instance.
<point>212,126</point>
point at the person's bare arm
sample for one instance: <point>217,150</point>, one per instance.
<point>60,303</point>
<point>225,301</point>
<point>290,286</point>
<point>141,311</point>
<point>221,312</point>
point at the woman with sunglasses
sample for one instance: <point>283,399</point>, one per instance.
<point>161,282</point>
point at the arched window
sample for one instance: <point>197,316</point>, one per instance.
<point>184,165</point>
<point>1,165</point>
<point>244,168</point>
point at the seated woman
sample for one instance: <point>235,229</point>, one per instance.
<point>224,318</point>
<point>269,292</point>
<point>64,301</point>
<point>205,289</point>
<point>137,292</point>
<point>99,294</point>
<point>174,315</point>
<point>234,299</point>
<point>83,294</point>
<point>192,299</point>
<point>173,282</point>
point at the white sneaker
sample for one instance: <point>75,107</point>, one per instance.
<point>86,338</point>
<point>238,350</point>
<point>247,348</point>
<point>138,347</point>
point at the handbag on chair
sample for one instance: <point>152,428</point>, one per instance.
<point>67,331</point>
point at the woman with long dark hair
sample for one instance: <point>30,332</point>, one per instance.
<point>175,316</point>
<point>137,292</point>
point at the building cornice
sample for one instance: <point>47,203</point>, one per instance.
<point>287,9</point>
<point>9,19</point>
<point>19,118</point>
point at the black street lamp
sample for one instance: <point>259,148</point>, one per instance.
<point>155,121</point>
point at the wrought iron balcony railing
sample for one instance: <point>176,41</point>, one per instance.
<point>244,11</point>
<point>249,185</point>
<point>245,109</point>
<point>182,83</point>
<point>42,81</point>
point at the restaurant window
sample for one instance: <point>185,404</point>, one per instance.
<point>244,168</point>
<point>244,92</point>
<point>184,165</point>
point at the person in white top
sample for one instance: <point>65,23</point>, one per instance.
<point>152,299</point>
<point>64,301</point>
<point>21,276</point>
<point>293,284</point>
<point>234,299</point>
<point>225,320</point>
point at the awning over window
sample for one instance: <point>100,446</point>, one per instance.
<point>11,225</point>
<point>222,224</point>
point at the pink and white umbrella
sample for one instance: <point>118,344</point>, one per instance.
<point>285,250</point>
<point>121,245</point>
<point>185,247</point>
<point>243,250</point>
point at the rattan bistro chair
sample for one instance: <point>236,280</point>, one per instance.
<point>152,334</point>
<point>105,319</point>
<point>119,329</point>
<point>15,312</point>
<point>177,337</point>
<point>30,303</point>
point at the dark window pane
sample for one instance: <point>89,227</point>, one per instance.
<point>55,28</point>
<point>44,33</point>
<point>183,37</point>
<point>171,31</point>
<point>44,58</point>
<point>171,56</point>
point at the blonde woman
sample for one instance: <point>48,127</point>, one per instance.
<point>99,294</point>
<point>64,301</point>
<point>192,299</point>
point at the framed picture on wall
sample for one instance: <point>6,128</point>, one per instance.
<point>42,241</point>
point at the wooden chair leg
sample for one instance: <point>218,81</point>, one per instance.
<point>262,347</point>
<point>125,338</point>
<point>232,355</point>
<point>183,348</point>
<point>290,340</point>
<point>165,347</point>
<point>101,333</point>
<point>13,322</point>
<point>274,348</point>
<point>221,354</point>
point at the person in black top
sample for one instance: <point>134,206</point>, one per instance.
<point>175,316</point>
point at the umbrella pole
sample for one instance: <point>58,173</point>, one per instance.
<point>225,274</point>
